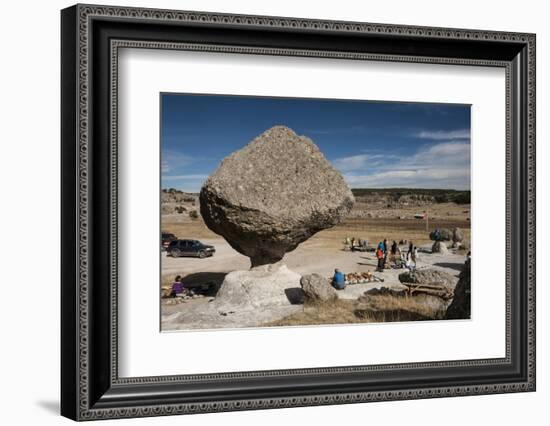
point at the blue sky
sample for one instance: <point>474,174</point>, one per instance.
<point>373,144</point>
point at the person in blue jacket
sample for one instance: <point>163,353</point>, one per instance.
<point>339,280</point>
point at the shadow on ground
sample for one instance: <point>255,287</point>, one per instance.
<point>455,266</point>
<point>295,295</point>
<point>211,279</point>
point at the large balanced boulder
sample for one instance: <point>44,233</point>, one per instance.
<point>317,289</point>
<point>273,194</point>
<point>460,307</point>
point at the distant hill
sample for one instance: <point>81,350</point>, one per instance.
<point>422,195</point>
<point>176,201</point>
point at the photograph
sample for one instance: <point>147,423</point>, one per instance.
<point>280,212</point>
<point>294,196</point>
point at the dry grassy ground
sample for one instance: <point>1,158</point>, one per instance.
<point>381,308</point>
<point>445,215</point>
<point>376,229</point>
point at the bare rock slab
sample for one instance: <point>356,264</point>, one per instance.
<point>273,194</point>
<point>428,276</point>
<point>246,299</point>
<point>201,318</point>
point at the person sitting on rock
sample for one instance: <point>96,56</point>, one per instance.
<point>339,280</point>
<point>177,287</point>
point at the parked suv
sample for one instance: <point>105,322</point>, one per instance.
<point>195,248</point>
<point>167,238</point>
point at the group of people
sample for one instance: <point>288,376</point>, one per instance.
<point>356,242</point>
<point>408,259</point>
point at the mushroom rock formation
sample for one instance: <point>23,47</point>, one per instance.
<point>273,194</point>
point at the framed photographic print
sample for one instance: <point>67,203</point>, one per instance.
<point>263,212</point>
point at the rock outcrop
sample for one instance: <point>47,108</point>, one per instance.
<point>273,194</point>
<point>427,276</point>
<point>317,289</point>
<point>460,307</point>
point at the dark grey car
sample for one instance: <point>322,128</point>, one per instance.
<point>190,248</point>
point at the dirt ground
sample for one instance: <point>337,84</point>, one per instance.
<point>323,252</point>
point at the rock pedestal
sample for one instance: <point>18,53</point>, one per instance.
<point>266,286</point>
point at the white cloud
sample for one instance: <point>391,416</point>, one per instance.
<point>443,165</point>
<point>184,177</point>
<point>173,160</point>
<point>447,155</point>
<point>424,178</point>
<point>360,161</point>
<point>439,135</point>
<point>354,162</point>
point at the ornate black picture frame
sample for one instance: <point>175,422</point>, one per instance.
<point>91,37</point>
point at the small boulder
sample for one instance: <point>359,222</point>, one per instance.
<point>317,289</point>
<point>439,247</point>
<point>458,235</point>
